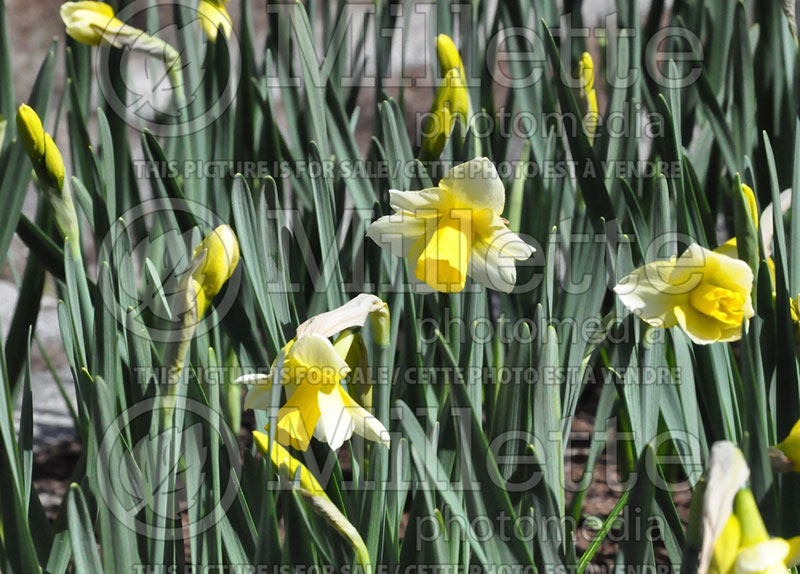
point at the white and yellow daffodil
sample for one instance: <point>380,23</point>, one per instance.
<point>312,374</point>
<point>213,16</point>
<point>706,293</point>
<point>454,230</point>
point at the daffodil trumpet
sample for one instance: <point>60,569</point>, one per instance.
<point>704,292</point>
<point>314,373</point>
<point>454,230</point>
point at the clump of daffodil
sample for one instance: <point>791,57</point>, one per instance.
<point>312,374</point>
<point>735,539</point>
<point>706,293</point>
<point>214,261</point>
<point>450,102</point>
<point>309,488</point>
<point>49,167</point>
<point>213,16</point>
<point>454,230</point>
<point>94,23</point>
<point>586,70</point>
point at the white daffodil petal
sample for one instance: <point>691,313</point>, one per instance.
<point>259,396</point>
<point>476,184</point>
<point>489,267</point>
<point>425,203</point>
<point>648,293</point>
<point>335,423</point>
<point>766,556</point>
<point>397,232</point>
<point>365,423</point>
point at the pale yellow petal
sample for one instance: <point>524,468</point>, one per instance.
<point>315,351</point>
<point>648,293</point>
<point>428,202</point>
<point>475,185</point>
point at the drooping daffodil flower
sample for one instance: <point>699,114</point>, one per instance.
<point>705,292</point>
<point>312,374</point>
<point>454,230</point>
<point>213,16</point>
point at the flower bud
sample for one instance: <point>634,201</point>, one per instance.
<point>214,261</point>
<point>214,16</point>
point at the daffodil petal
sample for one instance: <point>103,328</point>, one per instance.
<point>397,232</point>
<point>335,423</point>
<point>257,397</point>
<point>425,203</point>
<point>365,423</point>
<point>475,185</point>
<point>315,351</point>
<point>647,292</point>
<point>767,556</point>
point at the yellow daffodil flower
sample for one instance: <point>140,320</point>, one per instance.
<point>451,100</point>
<point>730,247</point>
<point>214,261</point>
<point>49,167</point>
<point>586,70</point>
<point>213,16</point>
<point>312,375</point>
<point>706,293</point>
<point>454,230</point>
